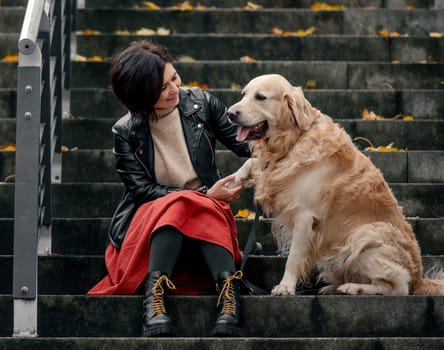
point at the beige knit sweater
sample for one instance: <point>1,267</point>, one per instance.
<point>172,163</point>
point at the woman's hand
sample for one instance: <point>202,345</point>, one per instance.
<point>220,190</point>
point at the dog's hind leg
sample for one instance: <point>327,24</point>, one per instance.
<point>300,260</point>
<point>385,277</point>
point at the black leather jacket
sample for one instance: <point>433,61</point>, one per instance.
<point>204,121</point>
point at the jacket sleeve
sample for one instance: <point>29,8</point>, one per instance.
<point>134,175</point>
<point>224,129</point>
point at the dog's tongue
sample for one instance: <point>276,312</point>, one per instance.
<point>242,133</point>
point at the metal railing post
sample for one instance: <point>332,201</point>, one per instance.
<point>43,82</point>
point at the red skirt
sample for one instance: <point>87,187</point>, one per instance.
<point>196,216</point>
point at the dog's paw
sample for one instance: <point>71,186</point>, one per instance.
<point>282,289</point>
<point>351,288</point>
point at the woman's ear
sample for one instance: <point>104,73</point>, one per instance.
<point>300,108</point>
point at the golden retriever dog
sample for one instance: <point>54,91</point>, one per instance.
<point>331,206</point>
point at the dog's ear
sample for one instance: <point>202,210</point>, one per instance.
<point>300,108</point>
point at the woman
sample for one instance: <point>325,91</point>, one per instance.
<point>175,203</point>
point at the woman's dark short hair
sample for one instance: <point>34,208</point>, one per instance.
<point>137,76</point>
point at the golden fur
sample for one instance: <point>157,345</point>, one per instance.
<point>331,206</point>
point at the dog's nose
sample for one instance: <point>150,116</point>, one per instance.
<point>232,114</point>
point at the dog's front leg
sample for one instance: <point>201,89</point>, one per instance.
<point>300,258</point>
<point>244,174</point>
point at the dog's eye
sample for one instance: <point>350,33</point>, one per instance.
<point>259,97</point>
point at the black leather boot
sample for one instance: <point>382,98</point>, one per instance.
<point>157,323</point>
<point>228,323</point>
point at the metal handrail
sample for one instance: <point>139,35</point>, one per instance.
<point>43,83</point>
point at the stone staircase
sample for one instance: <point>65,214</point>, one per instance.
<point>344,67</point>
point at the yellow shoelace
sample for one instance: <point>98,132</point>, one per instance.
<point>158,292</point>
<point>228,292</point>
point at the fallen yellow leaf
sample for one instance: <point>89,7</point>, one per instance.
<point>95,59</point>
<point>163,31</point>
<point>436,34</point>
<point>247,59</point>
<point>235,86</point>
<point>252,6</point>
<point>299,32</point>
<point>122,32</point>
<point>388,148</point>
<point>150,5</point>
<point>245,214</point>
<point>185,58</point>
<point>370,115</point>
<point>197,84</point>
<point>311,84</point>
<point>80,58</point>
<point>326,7</point>
<point>145,31</point>
<point>183,6</point>
<point>10,58</point>
<point>10,147</point>
<point>383,32</point>
<point>386,33</point>
<point>89,32</point>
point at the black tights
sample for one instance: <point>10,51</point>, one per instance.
<point>166,244</point>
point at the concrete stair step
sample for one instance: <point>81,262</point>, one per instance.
<point>219,20</point>
<point>340,103</point>
<point>412,135</point>
<point>272,47</point>
<point>88,236</point>
<point>98,165</point>
<point>400,4</point>
<point>89,200</point>
<point>301,316</point>
<point>86,270</point>
<point>225,74</point>
<point>265,3</point>
<point>257,343</point>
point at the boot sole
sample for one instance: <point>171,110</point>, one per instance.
<point>158,331</point>
<point>226,331</point>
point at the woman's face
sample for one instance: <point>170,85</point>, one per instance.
<point>169,97</point>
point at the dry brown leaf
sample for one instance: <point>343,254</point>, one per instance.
<point>10,58</point>
<point>10,147</point>
<point>9,178</point>
<point>66,149</point>
<point>247,59</point>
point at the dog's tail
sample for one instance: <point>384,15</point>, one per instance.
<point>432,283</point>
